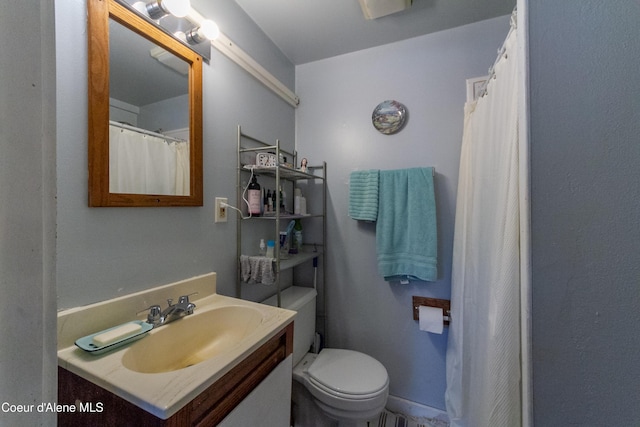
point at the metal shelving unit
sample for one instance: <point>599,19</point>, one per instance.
<point>248,147</point>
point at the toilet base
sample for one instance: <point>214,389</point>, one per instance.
<point>307,413</point>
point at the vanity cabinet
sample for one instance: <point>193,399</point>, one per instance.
<point>251,379</point>
<point>264,407</point>
<point>270,161</point>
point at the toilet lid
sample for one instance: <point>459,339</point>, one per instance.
<point>348,372</point>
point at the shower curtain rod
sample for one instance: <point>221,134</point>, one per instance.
<point>513,25</point>
<point>144,131</point>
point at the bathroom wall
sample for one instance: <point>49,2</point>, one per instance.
<point>27,212</point>
<point>427,74</point>
<point>585,205</point>
<point>168,114</point>
<point>106,252</point>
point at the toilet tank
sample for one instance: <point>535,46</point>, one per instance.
<point>303,301</point>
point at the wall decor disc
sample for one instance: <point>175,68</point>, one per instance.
<point>389,117</point>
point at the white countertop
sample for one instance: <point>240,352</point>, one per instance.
<point>161,394</point>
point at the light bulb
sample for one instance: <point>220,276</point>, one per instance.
<point>178,8</point>
<point>141,7</point>
<point>209,29</point>
<point>180,35</point>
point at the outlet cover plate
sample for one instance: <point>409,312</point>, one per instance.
<point>220,211</point>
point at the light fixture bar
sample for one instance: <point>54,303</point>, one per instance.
<point>244,60</point>
<point>240,57</point>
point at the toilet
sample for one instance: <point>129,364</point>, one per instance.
<point>347,386</point>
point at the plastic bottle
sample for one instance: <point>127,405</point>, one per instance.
<point>263,248</point>
<point>271,244</point>
<point>303,205</point>
<point>266,201</point>
<point>296,201</point>
<point>273,200</point>
<point>296,247</point>
<point>284,245</point>
<point>281,200</point>
<point>254,197</point>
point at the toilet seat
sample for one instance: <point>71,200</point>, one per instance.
<point>348,374</point>
<point>345,384</point>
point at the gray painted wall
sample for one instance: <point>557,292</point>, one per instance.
<point>27,211</point>
<point>427,74</point>
<point>585,157</point>
<point>106,252</point>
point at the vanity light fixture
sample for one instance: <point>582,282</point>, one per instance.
<point>205,31</point>
<point>208,30</point>
<point>160,8</point>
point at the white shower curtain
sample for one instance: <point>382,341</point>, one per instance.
<point>146,164</point>
<point>483,354</point>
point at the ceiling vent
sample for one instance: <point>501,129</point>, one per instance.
<point>373,9</point>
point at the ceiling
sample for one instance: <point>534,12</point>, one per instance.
<point>310,30</point>
<point>135,77</point>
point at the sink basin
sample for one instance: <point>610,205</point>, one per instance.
<point>192,339</point>
<point>173,364</point>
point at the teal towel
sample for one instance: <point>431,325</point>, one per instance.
<point>363,195</point>
<point>406,231</point>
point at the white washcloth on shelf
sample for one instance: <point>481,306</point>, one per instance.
<point>257,269</point>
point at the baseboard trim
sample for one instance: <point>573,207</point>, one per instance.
<point>414,409</point>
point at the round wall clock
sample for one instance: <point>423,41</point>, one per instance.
<point>389,117</point>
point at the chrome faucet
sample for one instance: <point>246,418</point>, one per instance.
<point>158,317</point>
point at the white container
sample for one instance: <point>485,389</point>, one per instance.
<point>303,206</point>
<point>296,201</point>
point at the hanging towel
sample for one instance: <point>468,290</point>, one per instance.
<point>406,233</point>
<point>257,269</point>
<point>363,195</point>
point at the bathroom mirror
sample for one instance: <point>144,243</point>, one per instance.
<point>170,89</point>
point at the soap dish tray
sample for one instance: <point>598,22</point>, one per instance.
<point>87,344</point>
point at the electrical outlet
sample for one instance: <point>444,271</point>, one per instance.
<point>221,211</point>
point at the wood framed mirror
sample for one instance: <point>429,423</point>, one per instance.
<point>102,45</point>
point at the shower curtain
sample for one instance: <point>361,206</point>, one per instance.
<point>483,354</point>
<point>146,164</point>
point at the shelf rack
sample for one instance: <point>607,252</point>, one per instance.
<point>249,146</point>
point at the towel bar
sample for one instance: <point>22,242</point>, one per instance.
<point>444,304</point>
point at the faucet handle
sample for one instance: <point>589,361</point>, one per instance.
<point>187,306</point>
<point>184,299</point>
<point>154,313</point>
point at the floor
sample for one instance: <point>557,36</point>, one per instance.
<point>390,419</point>
<point>307,414</point>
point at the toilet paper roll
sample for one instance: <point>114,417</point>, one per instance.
<point>431,319</point>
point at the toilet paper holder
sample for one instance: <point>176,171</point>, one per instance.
<point>444,304</point>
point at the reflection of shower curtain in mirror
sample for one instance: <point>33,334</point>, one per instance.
<point>146,164</point>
